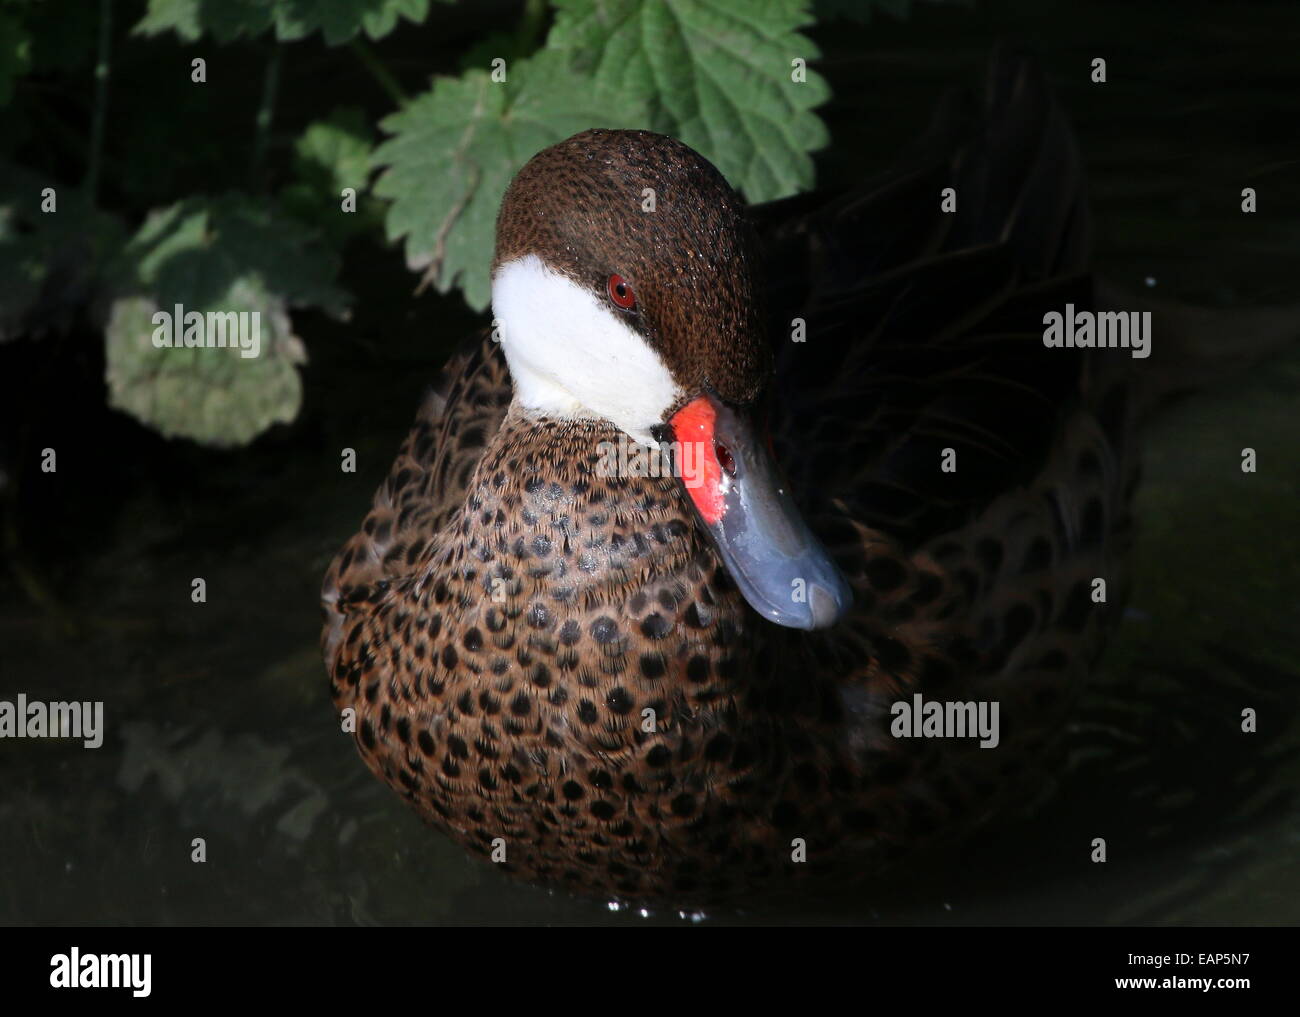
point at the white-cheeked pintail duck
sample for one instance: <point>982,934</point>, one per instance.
<point>683,686</point>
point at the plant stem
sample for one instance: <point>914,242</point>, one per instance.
<point>382,75</point>
<point>101,99</point>
<point>265,113</point>
<point>530,27</point>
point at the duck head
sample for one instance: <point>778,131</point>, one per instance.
<point>625,289</point>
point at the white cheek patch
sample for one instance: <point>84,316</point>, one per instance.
<point>571,356</point>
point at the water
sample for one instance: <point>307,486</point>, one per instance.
<point>219,722</point>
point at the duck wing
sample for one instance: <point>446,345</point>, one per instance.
<point>923,326</point>
<point>427,482</point>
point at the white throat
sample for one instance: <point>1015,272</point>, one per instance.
<point>570,354</point>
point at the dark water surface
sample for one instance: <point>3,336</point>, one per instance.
<point>219,724</point>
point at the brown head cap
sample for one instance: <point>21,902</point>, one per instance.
<point>691,262</point>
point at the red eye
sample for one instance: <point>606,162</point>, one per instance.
<point>621,293</point>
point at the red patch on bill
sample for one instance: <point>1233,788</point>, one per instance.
<point>701,471</point>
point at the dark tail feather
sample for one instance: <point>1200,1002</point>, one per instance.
<point>1020,180</point>
<point>1008,153</point>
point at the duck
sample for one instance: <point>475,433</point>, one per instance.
<point>724,492</point>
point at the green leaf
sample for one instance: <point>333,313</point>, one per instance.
<point>338,20</point>
<point>192,19</point>
<point>211,396</point>
<point>381,19</point>
<point>330,155</point>
<point>717,74</point>
<point>337,147</point>
<point>455,148</point>
<point>220,255</point>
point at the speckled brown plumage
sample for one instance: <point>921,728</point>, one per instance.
<point>506,614</point>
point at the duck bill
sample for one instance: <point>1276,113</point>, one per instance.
<point>741,499</point>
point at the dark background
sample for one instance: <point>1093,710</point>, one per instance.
<point>219,724</point>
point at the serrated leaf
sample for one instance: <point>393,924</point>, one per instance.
<point>455,148</point>
<point>193,19</point>
<point>338,20</point>
<point>378,21</point>
<point>220,255</point>
<point>717,74</point>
